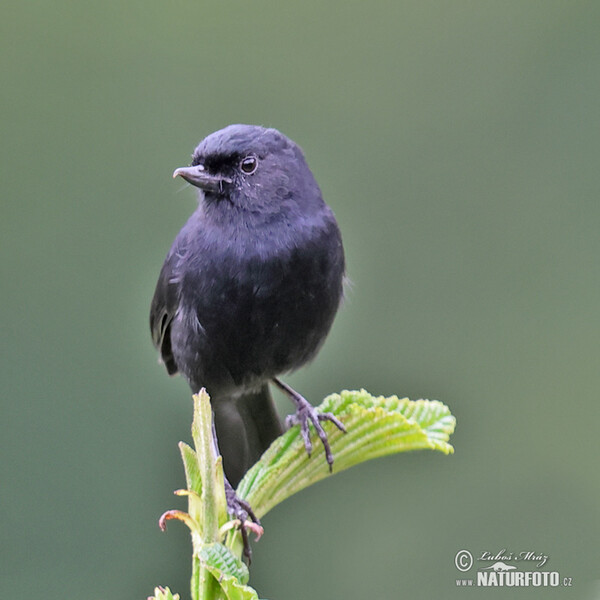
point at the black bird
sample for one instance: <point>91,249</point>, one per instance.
<point>250,287</point>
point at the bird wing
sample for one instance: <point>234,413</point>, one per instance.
<point>163,309</point>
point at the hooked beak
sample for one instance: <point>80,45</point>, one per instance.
<point>199,177</point>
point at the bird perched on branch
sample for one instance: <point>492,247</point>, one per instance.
<point>250,287</point>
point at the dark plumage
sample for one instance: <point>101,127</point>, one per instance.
<point>251,285</point>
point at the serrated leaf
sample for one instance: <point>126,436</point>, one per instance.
<point>222,560</point>
<point>376,426</point>
<point>231,587</point>
<point>228,570</point>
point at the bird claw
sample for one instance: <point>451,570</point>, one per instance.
<point>306,414</point>
<point>244,514</point>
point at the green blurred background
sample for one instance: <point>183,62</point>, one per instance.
<point>458,144</point>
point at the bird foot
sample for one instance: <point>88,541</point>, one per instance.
<point>244,514</point>
<point>306,414</point>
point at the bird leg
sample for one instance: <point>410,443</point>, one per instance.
<point>306,414</point>
<point>240,509</point>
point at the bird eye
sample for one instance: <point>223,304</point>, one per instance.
<point>249,164</point>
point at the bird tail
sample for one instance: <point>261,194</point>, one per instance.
<point>245,428</point>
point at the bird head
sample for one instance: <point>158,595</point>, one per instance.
<point>254,170</point>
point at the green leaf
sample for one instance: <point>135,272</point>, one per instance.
<point>194,486</point>
<point>376,426</point>
<point>192,468</point>
<point>220,558</point>
<point>228,570</point>
<point>232,588</point>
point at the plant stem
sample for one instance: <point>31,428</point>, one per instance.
<point>204,584</point>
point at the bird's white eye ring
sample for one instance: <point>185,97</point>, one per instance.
<point>249,164</point>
